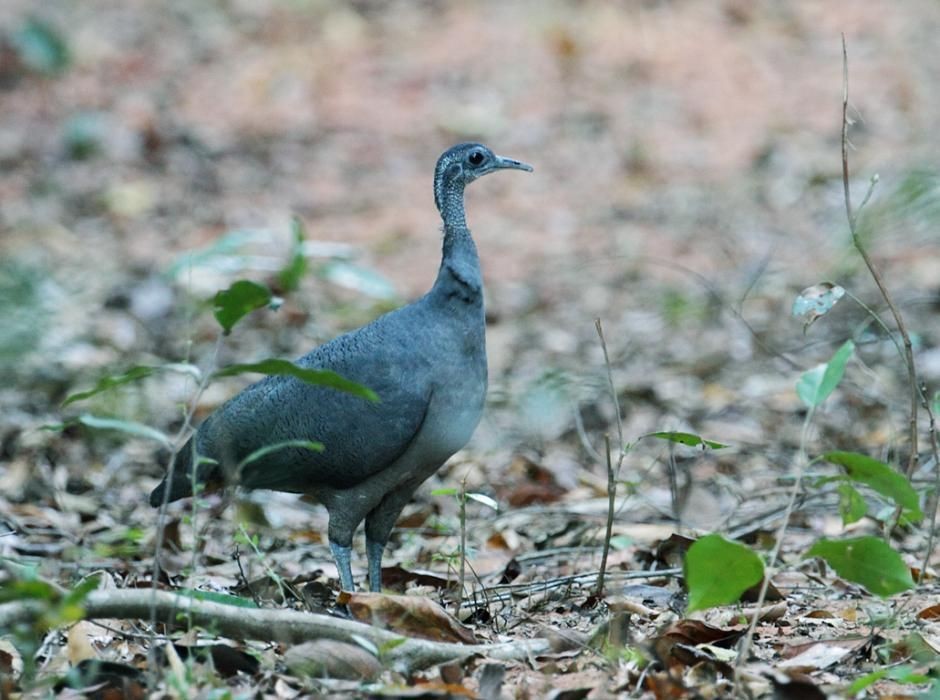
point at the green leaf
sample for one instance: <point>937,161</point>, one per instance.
<point>484,499</point>
<point>268,449</point>
<point>232,304</point>
<point>289,277</point>
<point>81,591</point>
<point>815,385</point>
<point>41,47</point>
<point>689,439</point>
<point>868,561</point>
<point>619,542</point>
<point>33,590</point>
<point>107,383</point>
<point>360,279</point>
<point>125,426</point>
<point>317,377</point>
<point>816,301</point>
<point>852,506</point>
<point>902,674</point>
<point>717,572</point>
<point>449,491</point>
<point>880,477</point>
<point>222,254</point>
<point>132,375</point>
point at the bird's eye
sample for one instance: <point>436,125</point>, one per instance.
<point>475,158</point>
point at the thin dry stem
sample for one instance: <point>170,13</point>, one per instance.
<point>932,506</point>
<point>875,274</point>
<point>612,472</point>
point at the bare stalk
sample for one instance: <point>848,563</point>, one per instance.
<point>161,514</point>
<point>611,498</point>
<point>935,498</point>
<point>463,540</point>
<point>875,274</point>
<point>748,639</point>
<point>613,472</point>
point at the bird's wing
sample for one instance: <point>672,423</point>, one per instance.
<point>359,438</point>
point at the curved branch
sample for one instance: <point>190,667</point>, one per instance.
<point>287,626</point>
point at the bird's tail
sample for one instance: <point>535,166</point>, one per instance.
<point>181,485</point>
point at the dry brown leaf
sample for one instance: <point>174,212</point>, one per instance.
<point>814,656</point>
<point>413,616</point>
<point>11,662</point>
<point>79,642</point>
<point>929,613</point>
<point>679,645</point>
<point>329,659</point>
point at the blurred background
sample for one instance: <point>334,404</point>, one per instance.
<point>687,186</point>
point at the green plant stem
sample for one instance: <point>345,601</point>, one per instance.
<point>161,514</point>
<point>463,540</point>
<point>932,507</point>
<point>608,533</point>
<point>748,639</point>
<point>613,472</point>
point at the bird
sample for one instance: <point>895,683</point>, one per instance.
<point>426,361</point>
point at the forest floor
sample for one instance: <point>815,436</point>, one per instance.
<point>687,185</point>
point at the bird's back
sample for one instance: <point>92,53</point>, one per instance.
<point>424,361</point>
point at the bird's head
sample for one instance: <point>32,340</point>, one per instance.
<point>464,163</point>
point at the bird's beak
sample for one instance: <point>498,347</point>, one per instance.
<point>511,164</point>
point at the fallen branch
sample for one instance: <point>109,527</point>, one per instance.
<point>286,626</point>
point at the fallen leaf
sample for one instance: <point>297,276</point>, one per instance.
<point>814,656</point>
<point>330,659</point>
<point>413,616</point>
<point>79,643</point>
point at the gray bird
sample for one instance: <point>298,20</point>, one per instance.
<point>427,363</point>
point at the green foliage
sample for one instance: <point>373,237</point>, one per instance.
<point>852,505</point>
<point>900,674</point>
<point>22,311</point>
<point>233,304</point>
<point>134,374</point>
<point>289,277</point>
<point>816,301</point>
<point>107,383</point>
<point>880,477</point>
<point>689,439</point>
<point>717,572</point>
<point>127,427</point>
<point>815,385</point>
<point>53,608</point>
<point>317,377</point>
<point>83,135</point>
<point>41,47</point>
<point>222,253</point>
<point>364,280</point>
<point>868,561</point>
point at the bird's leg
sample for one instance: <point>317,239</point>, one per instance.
<point>342,554</point>
<point>374,551</point>
<point>379,524</point>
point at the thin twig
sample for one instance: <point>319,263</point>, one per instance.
<point>463,540</point>
<point>875,274</point>
<point>611,499</point>
<point>934,500</point>
<point>184,428</point>
<point>403,653</point>
<point>748,639</point>
<point>613,473</point>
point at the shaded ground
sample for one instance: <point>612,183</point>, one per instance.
<point>687,186</point>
